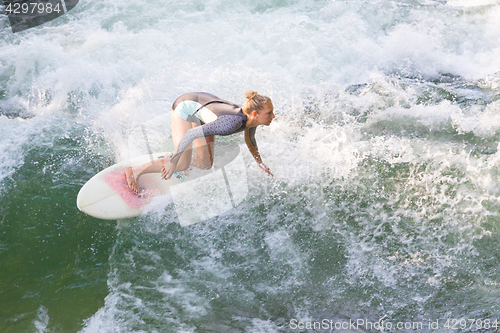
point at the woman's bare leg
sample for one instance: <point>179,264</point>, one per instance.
<point>204,147</point>
<point>179,129</point>
<point>203,157</point>
<point>134,172</point>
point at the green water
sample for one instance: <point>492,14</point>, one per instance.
<point>52,255</point>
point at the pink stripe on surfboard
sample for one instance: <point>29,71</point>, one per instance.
<point>118,182</point>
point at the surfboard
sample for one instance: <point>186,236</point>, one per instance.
<point>197,196</point>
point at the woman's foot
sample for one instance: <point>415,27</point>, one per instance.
<point>131,181</point>
<point>133,173</point>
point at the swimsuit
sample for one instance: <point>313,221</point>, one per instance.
<point>216,117</point>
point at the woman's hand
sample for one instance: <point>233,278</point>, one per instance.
<point>167,170</point>
<point>266,169</point>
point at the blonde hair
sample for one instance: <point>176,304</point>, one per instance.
<point>255,102</point>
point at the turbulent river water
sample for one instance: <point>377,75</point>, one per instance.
<point>384,210</point>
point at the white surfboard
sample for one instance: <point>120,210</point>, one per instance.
<point>200,195</point>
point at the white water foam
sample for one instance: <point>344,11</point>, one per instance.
<point>42,320</point>
<point>112,66</point>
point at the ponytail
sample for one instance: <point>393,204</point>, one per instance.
<point>255,102</point>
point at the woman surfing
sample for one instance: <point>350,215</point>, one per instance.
<point>197,118</point>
